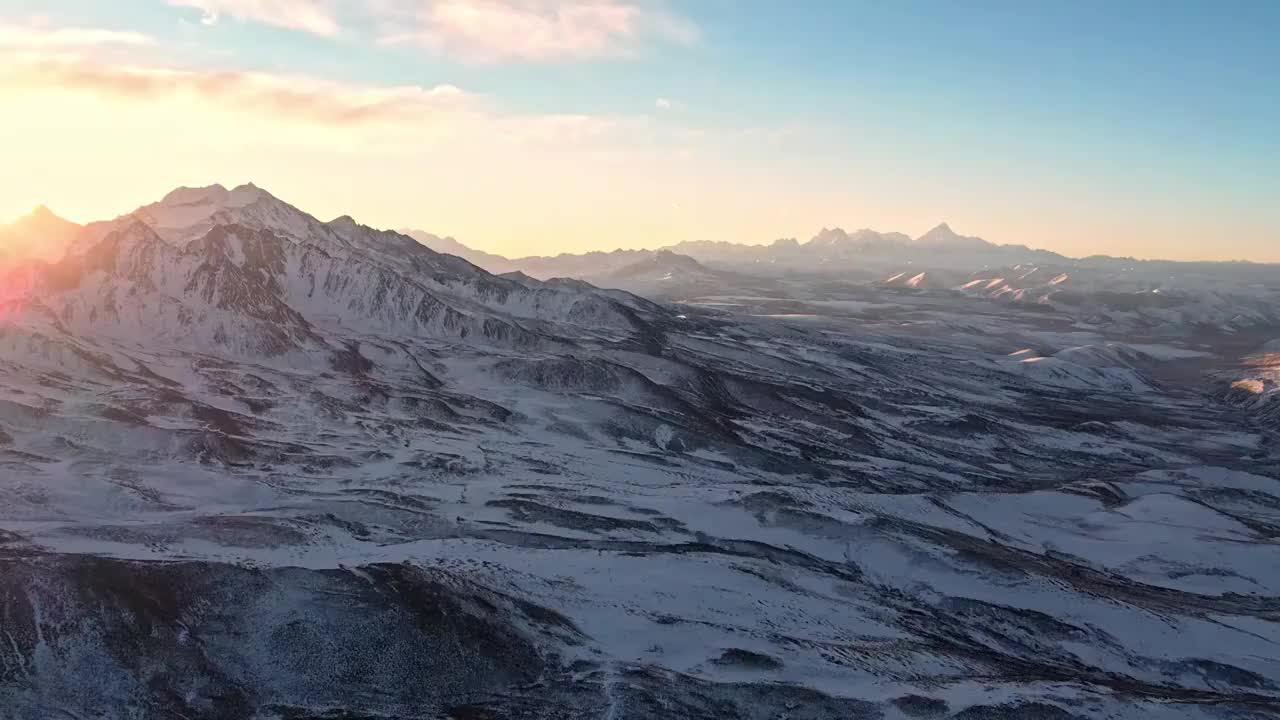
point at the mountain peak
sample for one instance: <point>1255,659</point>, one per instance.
<point>190,195</point>
<point>215,194</point>
<point>938,232</point>
<point>188,212</point>
<point>662,265</point>
<point>943,235</point>
<point>248,193</point>
<point>41,219</point>
<point>829,236</point>
<point>40,234</point>
<point>42,213</point>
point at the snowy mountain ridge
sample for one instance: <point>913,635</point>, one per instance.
<point>210,264</point>
<point>253,464</point>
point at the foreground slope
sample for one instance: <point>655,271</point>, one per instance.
<point>260,465</point>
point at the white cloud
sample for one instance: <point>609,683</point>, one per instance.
<point>318,17</point>
<point>662,104</point>
<point>531,30</point>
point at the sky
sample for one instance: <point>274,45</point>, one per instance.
<point>524,127</point>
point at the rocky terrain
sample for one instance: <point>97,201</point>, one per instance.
<point>258,465</point>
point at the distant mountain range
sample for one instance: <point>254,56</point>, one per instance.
<point>862,254</point>
<point>831,251</point>
<point>940,260</point>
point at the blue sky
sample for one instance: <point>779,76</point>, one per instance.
<point>1144,128</point>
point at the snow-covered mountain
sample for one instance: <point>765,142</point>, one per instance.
<point>242,272</point>
<point>1123,291</point>
<point>255,464</point>
<point>449,246</point>
<point>40,235</point>
<point>830,252</point>
<point>942,236</point>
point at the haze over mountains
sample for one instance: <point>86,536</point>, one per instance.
<point>831,251</point>
<point>39,235</point>
<point>257,464</point>
<point>940,260</point>
<point>865,248</point>
<point>43,235</point>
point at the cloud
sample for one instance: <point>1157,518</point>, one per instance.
<point>662,104</point>
<point>318,17</point>
<point>39,38</point>
<point>299,97</point>
<point>364,114</point>
<point>491,31</point>
<point>480,31</point>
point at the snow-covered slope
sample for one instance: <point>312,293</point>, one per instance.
<point>202,260</point>
<point>253,464</point>
<point>1113,366</point>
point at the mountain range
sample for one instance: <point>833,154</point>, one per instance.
<point>832,250</point>
<point>1125,291</point>
<point>257,464</point>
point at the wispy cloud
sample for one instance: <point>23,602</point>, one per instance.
<point>662,104</point>
<point>318,17</point>
<point>299,97</point>
<point>479,31</point>
<point>410,114</point>
<point>71,38</point>
<point>489,31</point>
